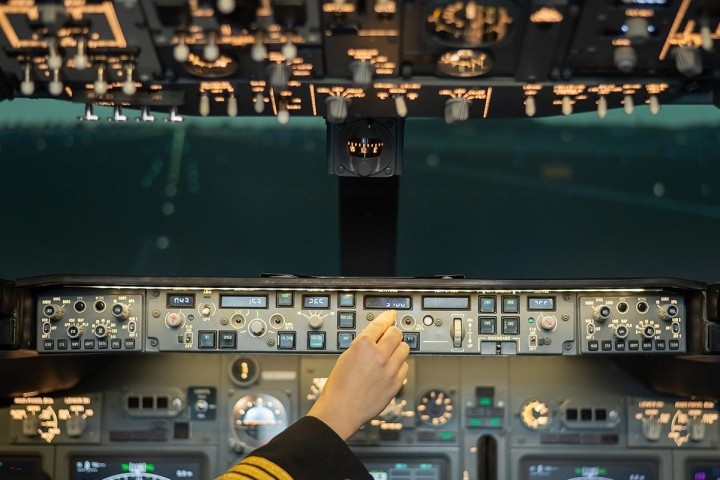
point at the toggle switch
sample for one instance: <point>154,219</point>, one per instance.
<point>457,110</point>
<point>89,115</point>
<point>232,105</point>
<point>283,115</point>
<point>211,51</point>
<point>602,107</point>
<point>118,115</point>
<point>289,50</point>
<point>706,35</point>
<point>204,106</point>
<point>258,52</point>
<point>400,106</point>
<point>362,73</point>
<point>174,117</point>
<point>100,85</point>
<point>567,105</point>
<point>336,109</point>
<point>145,115</point>
<point>654,103</point>
<point>129,87</point>
<point>259,103</point>
<point>55,87</point>
<point>530,106</point>
<point>625,58</point>
<point>688,61</point>
<point>27,86</point>
<point>629,104</point>
<point>82,61</point>
<point>55,61</point>
<point>181,52</point>
<point>279,75</point>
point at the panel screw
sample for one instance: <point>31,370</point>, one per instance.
<point>438,322</point>
<point>370,316</point>
<point>271,342</point>
<point>156,314</point>
<point>153,342</point>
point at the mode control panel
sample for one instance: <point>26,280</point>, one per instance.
<point>632,323</point>
<point>326,321</point>
<point>89,321</point>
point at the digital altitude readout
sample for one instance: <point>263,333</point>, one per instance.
<point>541,303</point>
<point>181,300</point>
<point>243,301</point>
<point>316,301</point>
<point>383,303</point>
<point>446,303</point>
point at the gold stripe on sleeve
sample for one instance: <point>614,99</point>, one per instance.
<point>276,472</point>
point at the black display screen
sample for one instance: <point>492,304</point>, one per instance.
<point>185,300</point>
<point>446,303</point>
<point>433,468</point>
<point>21,468</point>
<point>588,469</point>
<point>137,466</point>
<point>384,303</point>
<point>316,301</point>
<point>703,471</point>
<point>244,301</point>
<point>541,303</point>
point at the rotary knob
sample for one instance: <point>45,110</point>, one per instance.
<point>205,310</point>
<point>257,327</point>
<point>121,311</point>
<point>667,312</point>
<point>688,61</point>
<point>457,110</point>
<point>174,319</point>
<point>53,312</point>
<point>336,109</point>
<point>625,58</point>
<point>315,322</point>
<point>547,322</point>
<point>601,313</point>
<point>279,75</point>
<point>74,331</point>
<point>101,331</point>
<point>362,73</point>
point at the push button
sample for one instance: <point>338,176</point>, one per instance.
<point>606,345</point>
<point>316,340</point>
<point>346,319</point>
<point>129,343</point>
<point>487,304</point>
<point>593,346</point>
<point>674,344</point>
<point>487,325</point>
<point>286,340</point>
<point>346,300</point>
<point>511,304</point>
<point>62,344</point>
<point>634,345</point>
<point>48,344</point>
<point>116,344</point>
<point>344,340</point>
<point>284,299</point>
<point>412,339</point>
<point>511,325</point>
<point>228,339</point>
<point>206,339</point>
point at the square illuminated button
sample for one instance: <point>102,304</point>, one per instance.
<point>228,339</point>
<point>284,299</point>
<point>206,339</point>
<point>316,340</point>
<point>346,300</point>
<point>344,340</point>
<point>487,325</point>
<point>346,319</point>
<point>511,304</point>
<point>412,339</point>
<point>511,325</point>
<point>487,304</point>
<point>286,340</point>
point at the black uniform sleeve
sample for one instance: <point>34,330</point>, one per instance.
<point>307,450</point>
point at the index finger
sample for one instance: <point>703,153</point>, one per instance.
<point>382,322</point>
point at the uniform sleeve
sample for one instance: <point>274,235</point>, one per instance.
<point>307,450</point>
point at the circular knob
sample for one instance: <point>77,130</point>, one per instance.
<point>181,52</point>
<point>315,322</point>
<point>625,58</point>
<point>621,331</point>
<point>74,331</point>
<point>649,331</point>
<point>362,73</point>
<point>688,61</point>
<point>202,406</point>
<point>637,27</point>
<point>206,310</point>
<point>602,313</point>
<point>457,110</point>
<point>121,311</point>
<point>667,312</point>
<point>53,312</point>
<point>257,327</point>
<point>336,109</point>
<point>226,6</point>
<point>174,319</point>
<point>548,322</point>
<point>279,75</point>
<point>100,331</point>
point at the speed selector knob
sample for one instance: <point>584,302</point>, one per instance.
<point>121,311</point>
<point>362,73</point>
<point>257,328</point>
<point>457,110</point>
<point>336,109</point>
<point>667,312</point>
<point>315,322</point>
<point>174,319</point>
<point>53,312</point>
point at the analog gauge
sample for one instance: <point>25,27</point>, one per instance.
<point>258,418</point>
<point>435,408</point>
<point>535,414</point>
<point>244,371</point>
<point>464,63</point>
<point>468,24</point>
<point>364,147</point>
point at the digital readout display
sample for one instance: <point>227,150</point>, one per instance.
<point>181,300</point>
<point>244,301</point>
<point>316,301</point>
<point>541,303</point>
<point>382,303</point>
<point>548,469</point>
<point>137,467</point>
<point>446,303</point>
<point>406,468</point>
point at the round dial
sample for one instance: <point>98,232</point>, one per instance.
<point>535,414</point>
<point>435,408</point>
<point>258,418</point>
<point>469,24</point>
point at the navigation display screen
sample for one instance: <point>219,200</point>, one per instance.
<point>588,469</point>
<point>407,468</point>
<point>136,467</point>
<point>21,468</point>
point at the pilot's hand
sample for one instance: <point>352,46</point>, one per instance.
<point>365,378</point>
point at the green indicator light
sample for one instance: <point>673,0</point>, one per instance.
<point>1,464</point>
<point>475,422</point>
<point>578,470</point>
<point>125,467</point>
<point>447,435</point>
<point>485,401</point>
<point>495,422</point>
<point>602,471</point>
<point>149,467</point>
<point>531,320</point>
